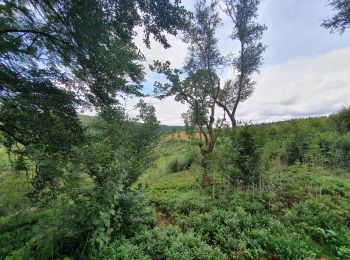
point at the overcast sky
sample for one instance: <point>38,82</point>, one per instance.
<point>306,69</point>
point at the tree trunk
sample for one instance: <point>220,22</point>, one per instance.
<point>206,180</point>
<point>233,121</point>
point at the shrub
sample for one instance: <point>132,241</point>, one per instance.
<point>277,242</point>
<point>165,243</point>
<point>244,235</point>
<point>298,146</point>
<point>241,159</point>
<point>341,151</point>
<point>178,165</point>
<point>323,225</point>
<point>16,230</point>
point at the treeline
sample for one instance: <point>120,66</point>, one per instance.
<point>245,154</point>
<point>320,141</point>
<point>254,148</point>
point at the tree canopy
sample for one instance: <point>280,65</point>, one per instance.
<point>200,85</point>
<point>248,33</point>
<point>59,56</point>
<point>340,21</point>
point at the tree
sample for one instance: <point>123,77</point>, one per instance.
<point>189,121</point>
<point>103,208</point>
<point>341,120</point>
<point>201,85</point>
<point>56,56</point>
<point>89,42</point>
<point>246,30</point>
<point>242,160</point>
<point>341,19</point>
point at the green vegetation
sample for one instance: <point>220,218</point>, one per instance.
<point>111,187</point>
<point>278,191</point>
<point>298,208</point>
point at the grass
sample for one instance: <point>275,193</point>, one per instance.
<point>13,187</point>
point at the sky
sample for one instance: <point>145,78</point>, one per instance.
<point>306,69</point>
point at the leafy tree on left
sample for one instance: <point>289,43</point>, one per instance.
<point>56,56</point>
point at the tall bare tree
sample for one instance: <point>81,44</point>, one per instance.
<point>248,32</point>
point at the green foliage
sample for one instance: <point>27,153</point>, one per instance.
<point>56,58</point>
<point>300,211</point>
<point>80,42</point>
<point>15,230</point>
<point>313,142</point>
<point>324,226</point>
<point>240,233</point>
<point>241,158</point>
<point>298,145</point>
<point>198,83</point>
<point>13,187</point>
<point>96,205</point>
<point>247,33</point>
<point>85,175</point>
<point>342,120</point>
<point>165,243</point>
<point>341,18</point>
<point>178,165</point>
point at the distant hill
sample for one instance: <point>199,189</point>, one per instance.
<point>170,129</point>
<point>87,120</point>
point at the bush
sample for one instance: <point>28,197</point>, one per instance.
<point>323,225</point>
<point>241,159</point>
<point>244,235</point>
<point>341,151</point>
<point>178,165</point>
<point>277,242</point>
<point>164,243</point>
<point>298,145</point>
<point>15,231</point>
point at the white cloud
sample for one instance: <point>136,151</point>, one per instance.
<point>299,88</point>
<point>175,54</point>
<point>168,111</point>
<point>302,87</point>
